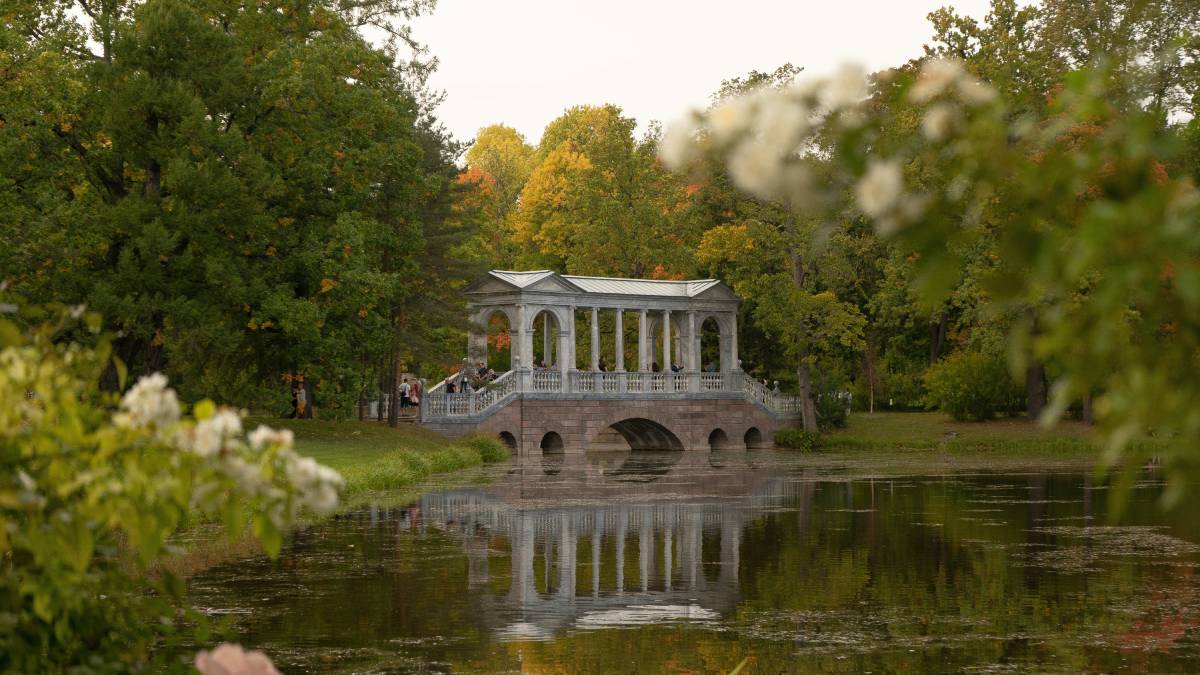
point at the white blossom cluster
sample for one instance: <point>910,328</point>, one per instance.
<point>766,133</point>
<point>766,136</point>
<point>149,404</point>
<point>218,439</point>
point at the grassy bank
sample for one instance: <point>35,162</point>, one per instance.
<point>924,431</point>
<point>373,458</point>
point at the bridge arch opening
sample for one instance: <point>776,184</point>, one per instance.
<point>640,434</point>
<point>498,342</point>
<point>753,438</point>
<point>551,443</point>
<point>508,439</point>
<point>711,357</point>
<point>718,440</point>
<point>546,331</point>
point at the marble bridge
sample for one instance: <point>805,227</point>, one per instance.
<point>680,394</point>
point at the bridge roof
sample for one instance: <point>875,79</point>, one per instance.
<point>611,285</point>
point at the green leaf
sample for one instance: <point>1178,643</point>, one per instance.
<point>122,371</point>
<point>204,409</point>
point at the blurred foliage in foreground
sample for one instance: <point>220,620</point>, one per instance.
<point>1073,226</point>
<point>88,498</point>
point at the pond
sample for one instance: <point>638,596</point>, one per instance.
<point>696,562</point>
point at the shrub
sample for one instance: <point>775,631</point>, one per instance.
<point>831,409</point>
<point>797,439</point>
<point>92,486</point>
<point>972,385</point>
<point>491,449</point>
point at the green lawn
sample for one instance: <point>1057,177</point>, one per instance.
<point>373,456</point>
<point>937,431</point>
<point>345,445</point>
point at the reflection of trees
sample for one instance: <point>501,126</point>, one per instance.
<point>815,573</point>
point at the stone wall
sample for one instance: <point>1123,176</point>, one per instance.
<point>587,423</point>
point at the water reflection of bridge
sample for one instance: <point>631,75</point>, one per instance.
<point>593,560</point>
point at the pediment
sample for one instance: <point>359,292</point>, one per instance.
<point>718,291</point>
<point>490,285</point>
<point>552,284</point>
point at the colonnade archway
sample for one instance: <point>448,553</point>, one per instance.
<point>604,323</point>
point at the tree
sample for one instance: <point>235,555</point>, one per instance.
<point>598,202</point>
<point>499,163</point>
<point>232,186</point>
<point>1096,238</point>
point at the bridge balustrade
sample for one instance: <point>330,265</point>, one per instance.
<point>437,404</point>
<point>547,380</point>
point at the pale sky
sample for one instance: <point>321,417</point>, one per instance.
<point>522,62</point>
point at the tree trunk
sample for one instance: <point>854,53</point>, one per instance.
<point>808,409</point>
<point>937,338</point>
<point>393,398</point>
<point>1089,413</point>
<point>869,357</point>
<point>1035,390</point>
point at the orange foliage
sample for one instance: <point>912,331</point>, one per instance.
<point>659,272</point>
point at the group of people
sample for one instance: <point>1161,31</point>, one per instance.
<point>410,394</point>
<point>467,379</point>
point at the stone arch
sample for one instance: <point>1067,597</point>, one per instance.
<point>718,440</point>
<point>562,315</point>
<point>508,439</point>
<point>641,434</point>
<point>547,340</point>
<point>478,348</point>
<point>485,314</point>
<point>552,443</point>
<point>724,336</point>
<point>679,341</point>
<point>753,438</point>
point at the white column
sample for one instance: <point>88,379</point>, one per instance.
<point>693,340</point>
<point>666,341</point>
<point>594,364</point>
<point>566,352</point>
<point>619,341</point>
<point>547,340</point>
<point>733,346</point>
<point>522,354</point>
<point>643,321</point>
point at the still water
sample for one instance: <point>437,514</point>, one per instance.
<point>641,563</point>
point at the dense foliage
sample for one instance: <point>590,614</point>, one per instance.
<point>244,191</point>
<point>89,497</point>
<point>972,385</point>
<point>797,439</point>
<point>1068,225</point>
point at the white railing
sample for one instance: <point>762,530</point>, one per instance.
<point>436,403</point>
<point>712,381</point>
<point>547,380</point>
<point>773,400</point>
